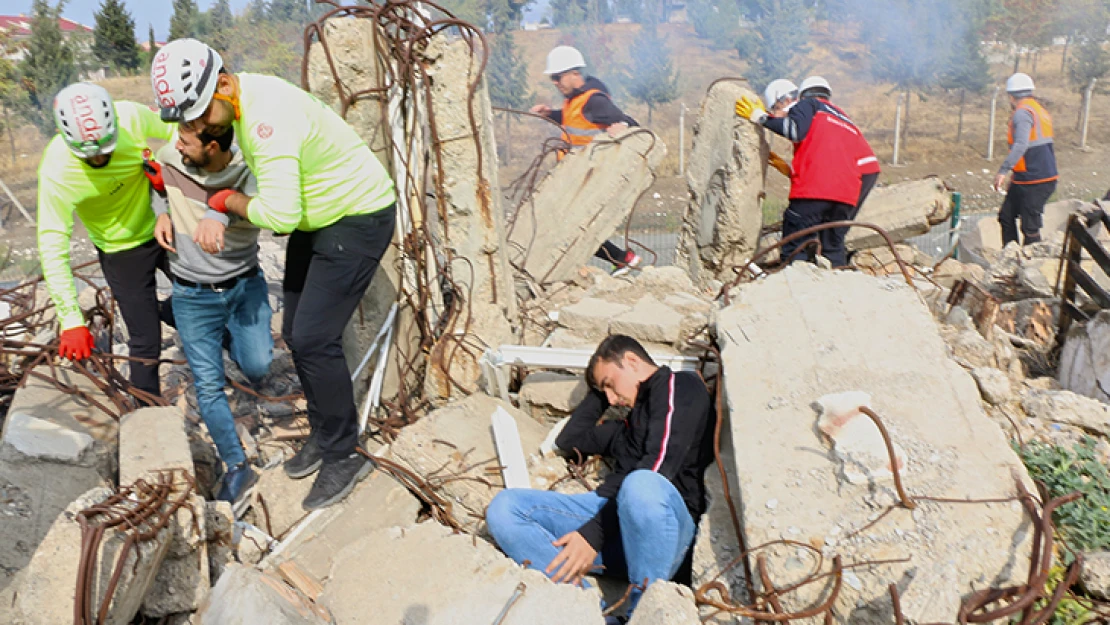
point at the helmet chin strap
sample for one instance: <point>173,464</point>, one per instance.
<point>233,99</point>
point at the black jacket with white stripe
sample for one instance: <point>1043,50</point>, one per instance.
<point>669,430</point>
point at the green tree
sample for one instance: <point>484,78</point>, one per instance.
<point>1024,24</point>
<point>1089,60</point>
<point>775,45</point>
<point>114,37</point>
<point>220,23</point>
<point>183,23</point>
<point>507,76</point>
<point>965,71</point>
<point>152,47</point>
<point>653,80</point>
<point>256,12</point>
<point>719,22</point>
<point>12,97</point>
<point>48,65</point>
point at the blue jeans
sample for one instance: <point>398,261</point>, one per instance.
<point>655,527</point>
<point>202,316</point>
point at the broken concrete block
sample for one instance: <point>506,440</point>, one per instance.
<point>581,203</point>
<point>44,422</point>
<point>282,496</point>
<point>246,596</point>
<point>378,501</point>
<point>47,593</point>
<point>724,174</point>
<point>456,441</point>
<point>1069,408</point>
<point>591,316</point>
<point>436,577</point>
<point>150,440</point>
<point>666,602</point>
<point>1096,574</point>
<point>814,332</point>
<point>473,224</point>
<point>1085,359</point>
<point>1034,319</point>
<point>993,385</point>
<point>857,442</point>
<point>903,209</point>
<point>549,395</point>
<point>984,242</point>
<point>649,320</point>
<point>219,522</point>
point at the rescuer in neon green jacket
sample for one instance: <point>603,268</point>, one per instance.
<point>94,167</point>
<point>319,181</point>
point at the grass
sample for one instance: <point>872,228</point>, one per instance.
<point>1084,523</point>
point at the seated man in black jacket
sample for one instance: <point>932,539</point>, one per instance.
<point>640,522</point>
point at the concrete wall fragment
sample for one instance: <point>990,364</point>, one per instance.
<point>1085,359</point>
<point>724,174</point>
<point>583,201</point>
<point>903,209</point>
<point>468,218</point>
<point>815,332</point>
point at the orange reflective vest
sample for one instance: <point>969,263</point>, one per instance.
<point>577,130</point>
<point>1038,164</point>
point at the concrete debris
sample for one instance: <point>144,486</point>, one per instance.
<point>219,521</point>
<point>245,596</point>
<point>983,244</point>
<point>857,442</point>
<point>474,227</point>
<point>46,595</point>
<point>591,316</point>
<point>874,335</point>
<point>44,422</point>
<point>453,446</point>
<point>1033,319</point>
<point>715,544</point>
<point>1096,575</point>
<point>1085,358</point>
<point>153,439</point>
<point>582,202</point>
<point>378,501</point>
<point>903,209</point>
<point>549,395</point>
<point>277,500</point>
<point>650,320</point>
<point>1018,275</point>
<point>724,174</point>
<point>950,271</point>
<point>436,577</point>
<point>993,385</point>
<point>666,602</point>
<point>1067,407</point>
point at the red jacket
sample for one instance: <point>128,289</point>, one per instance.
<point>830,153</point>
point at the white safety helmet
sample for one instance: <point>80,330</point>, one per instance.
<point>563,58</point>
<point>1019,82</point>
<point>85,116</point>
<point>815,85</point>
<point>184,75</point>
<point>777,90</point>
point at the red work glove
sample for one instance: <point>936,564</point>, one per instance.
<point>153,171</point>
<point>218,200</point>
<point>76,343</point>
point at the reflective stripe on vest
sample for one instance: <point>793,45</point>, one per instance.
<point>1038,162</point>
<point>578,130</point>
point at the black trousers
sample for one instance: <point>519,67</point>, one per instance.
<point>326,274</point>
<point>1024,201</point>
<point>610,252</point>
<point>867,182</point>
<point>802,214</point>
<point>130,275</point>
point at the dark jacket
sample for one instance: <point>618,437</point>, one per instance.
<point>599,108</point>
<point>669,431</point>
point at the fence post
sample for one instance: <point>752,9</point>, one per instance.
<point>681,139</point>
<point>1087,113</point>
<point>897,129</point>
<point>990,131</point>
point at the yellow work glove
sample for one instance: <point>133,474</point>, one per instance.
<point>776,161</point>
<point>751,110</point>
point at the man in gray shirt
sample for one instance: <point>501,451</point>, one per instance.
<point>218,287</point>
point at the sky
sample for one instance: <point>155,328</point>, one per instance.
<point>156,12</point>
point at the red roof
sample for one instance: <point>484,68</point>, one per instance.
<point>20,25</point>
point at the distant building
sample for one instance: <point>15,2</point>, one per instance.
<point>18,30</point>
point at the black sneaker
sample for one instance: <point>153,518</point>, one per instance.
<point>238,482</point>
<point>306,461</point>
<point>337,478</point>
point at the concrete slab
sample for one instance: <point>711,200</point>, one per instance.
<point>903,209</point>
<point>666,602</point>
<point>724,173</point>
<point>456,441</point>
<point>591,316</point>
<point>550,395</point>
<point>245,596</point>
<point>814,332</point>
<point>650,320</point>
<point>581,203</point>
<point>153,439</point>
<point>436,577</point>
<point>1085,358</point>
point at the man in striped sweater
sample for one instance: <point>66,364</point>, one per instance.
<point>640,522</point>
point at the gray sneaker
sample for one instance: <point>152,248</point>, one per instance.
<point>337,478</point>
<point>306,461</point>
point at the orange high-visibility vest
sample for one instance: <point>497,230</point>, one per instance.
<point>577,130</point>
<point>1038,164</point>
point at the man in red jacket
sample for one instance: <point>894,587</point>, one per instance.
<point>826,176</point>
<point>640,522</point>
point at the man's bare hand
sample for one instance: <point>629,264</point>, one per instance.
<point>575,560</point>
<point>540,109</point>
<point>210,236</point>
<point>163,232</point>
<point>999,183</point>
<point>616,129</point>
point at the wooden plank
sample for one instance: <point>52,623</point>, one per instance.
<point>298,578</point>
<point>1089,243</point>
<point>1088,284</point>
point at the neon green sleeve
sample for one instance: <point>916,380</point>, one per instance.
<point>55,225</point>
<point>277,167</point>
<point>152,126</point>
